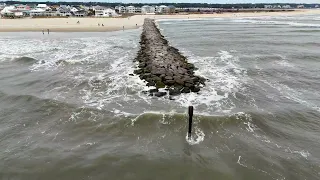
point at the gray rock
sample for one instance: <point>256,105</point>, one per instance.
<point>162,76</point>
<point>156,78</point>
<point>202,80</point>
<point>160,94</point>
<point>195,89</point>
<point>174,91</point>
<point>153,90</point>
<point>158,71</point>
<point>169,82</point>
<point>168,78</point>
<point>160,84</point>
<point>138,71</point>
<point>185,90</point>
<point>179,81</point>
<point>145,76</point>
<point>169,73</point>
<point>142,65</point>
<point>188,85</point>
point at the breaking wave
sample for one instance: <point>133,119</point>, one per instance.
<point>295,24</point>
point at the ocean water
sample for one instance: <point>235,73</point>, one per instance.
<point>70,110</point>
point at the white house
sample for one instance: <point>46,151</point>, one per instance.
<point>80,13</point>
<point>163,9</point>
<point>50,13</point>
<point>286,7</point>
<point>156,9</point>
<point>277,7</point>
<point>268,6</point>
<point>121,9</point>
<point>74,9</point>
<point>98,8</point>
<point>23,7</point>
<point>105,12</point>
<point>18,14</point>
<point>64,11</point>
<point>300,6</point>
<point>37,12</point>
<point>99,11</point>
<point>131,9</point>
<point>148,9</point>
<point>8,11</point>
<point>43,6</point>
<point>138,10</point>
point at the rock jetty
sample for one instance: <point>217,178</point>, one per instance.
<point>162,66</point>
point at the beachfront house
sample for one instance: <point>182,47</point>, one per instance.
<point>300,6</point>
<point>171,9</point>
<point>18,14</point>
<point>37,12</point>
<point>130,9</point>
<point>268,6</point>
<point>80,13</point>
<point>64,11</point>
<point>277,7</point>
<point>16,11</point>
<point>286,7</point>
<point>74,9</point>
<point>98,8</point>
<point>8,11</point>
<point>138,10</point>
<point>22,7</point>
<point>121,9</point>
<point>43,6</point>
<point>163,9</point>
<point>148,9</point>
<point>101,11</point>
<point>52,12</point>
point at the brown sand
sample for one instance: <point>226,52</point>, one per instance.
<point>113,24</point>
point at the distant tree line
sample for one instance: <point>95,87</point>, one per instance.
<point>180,5</point>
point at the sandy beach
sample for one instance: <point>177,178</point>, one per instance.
<point>113,24</point>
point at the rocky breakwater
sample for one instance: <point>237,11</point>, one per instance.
<point>162,66</point>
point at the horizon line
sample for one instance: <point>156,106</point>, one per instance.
<point>43,1</point>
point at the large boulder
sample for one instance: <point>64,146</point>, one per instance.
<point>160,94</point>
<point>185,90</point>
<point>160,84</point>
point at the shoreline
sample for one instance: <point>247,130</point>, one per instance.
<point>116,24</point>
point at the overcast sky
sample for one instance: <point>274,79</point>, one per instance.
<point>198,1</point>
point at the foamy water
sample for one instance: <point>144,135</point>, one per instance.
<point>69,106</point>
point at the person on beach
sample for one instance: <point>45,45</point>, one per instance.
<point>98,24</point>
<point>42,31</point>
<point>48,31</point>
<point>123,28</point>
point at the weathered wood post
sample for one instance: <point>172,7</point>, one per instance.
<point>190,112</point>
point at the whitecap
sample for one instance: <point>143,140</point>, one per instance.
<point>196,138</point>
